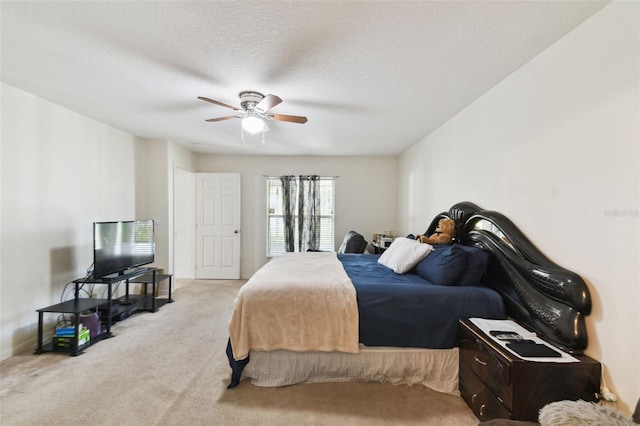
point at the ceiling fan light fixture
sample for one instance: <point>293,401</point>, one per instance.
<point>252,124</point>
<point>254,111</point>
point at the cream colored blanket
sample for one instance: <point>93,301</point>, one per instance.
<point>297,301</point>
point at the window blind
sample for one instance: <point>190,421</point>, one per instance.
<point>275,219</point>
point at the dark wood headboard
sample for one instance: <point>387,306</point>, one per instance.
<point>538,293</point>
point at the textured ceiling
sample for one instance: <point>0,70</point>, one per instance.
<point>372,77</point>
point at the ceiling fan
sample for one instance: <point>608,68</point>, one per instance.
<point>254,108</point>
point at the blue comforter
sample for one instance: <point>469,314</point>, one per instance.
<point>408,311</point>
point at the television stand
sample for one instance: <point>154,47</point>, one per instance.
<point>111,310</point>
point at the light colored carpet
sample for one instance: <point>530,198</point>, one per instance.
<point>170,368</point>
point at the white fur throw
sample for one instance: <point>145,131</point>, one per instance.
<point>581,413</point>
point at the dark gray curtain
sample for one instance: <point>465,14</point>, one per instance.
<point>289,190</point>
<point>301,200</point>
<point>309,213</point>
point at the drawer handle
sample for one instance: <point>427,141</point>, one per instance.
<point>482,407</point>
<point>473,397</point>
<point>478,360</point>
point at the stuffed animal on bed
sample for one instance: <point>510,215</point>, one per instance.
<point>445,232</point>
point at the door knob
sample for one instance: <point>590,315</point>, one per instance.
<point>235,231</point>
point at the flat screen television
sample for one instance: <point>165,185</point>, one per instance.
<point>119,246</point>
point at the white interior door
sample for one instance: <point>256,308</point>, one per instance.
<point>218,225</point>
<point>184,225</point>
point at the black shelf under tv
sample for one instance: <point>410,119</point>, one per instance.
<point>150,302</point>
<point>111,310</point>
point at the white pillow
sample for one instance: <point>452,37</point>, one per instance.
<point>403,254</point>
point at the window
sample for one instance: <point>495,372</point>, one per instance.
<point>275,217</point>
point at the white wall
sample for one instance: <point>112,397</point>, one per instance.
<point>366,191</point>
<point>555,148</point>
<point>157,207</point>
<point>60,172</point>
<point>156,161</point>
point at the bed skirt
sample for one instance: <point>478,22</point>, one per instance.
<point>436,369</point>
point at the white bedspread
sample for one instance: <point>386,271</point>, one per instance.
<point>299,302</point>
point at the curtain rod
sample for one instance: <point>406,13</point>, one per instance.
<point>321,177</point>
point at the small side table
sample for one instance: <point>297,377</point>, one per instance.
<point>146,301</point>
<point>497,384</point>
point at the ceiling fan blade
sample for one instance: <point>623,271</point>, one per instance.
<point>202,98</point>
<point>268,102</point>
<point>229,117</point>
<point>290,118</point>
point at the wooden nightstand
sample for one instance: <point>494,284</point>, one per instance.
<point>497,384</point>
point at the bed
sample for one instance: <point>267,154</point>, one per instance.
<point>317,317</point>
